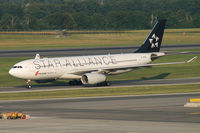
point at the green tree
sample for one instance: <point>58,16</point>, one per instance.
<point>9,21</point>
<point>98,21</point>
<point>196,21</point>
<point>60,21</point>
<point>82,20</point>
<point>97,14</point>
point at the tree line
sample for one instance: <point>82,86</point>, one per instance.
<point>97,14</point>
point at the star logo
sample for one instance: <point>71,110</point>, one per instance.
<point>154,41</point>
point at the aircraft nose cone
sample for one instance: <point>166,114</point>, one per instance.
<point>11,72</point>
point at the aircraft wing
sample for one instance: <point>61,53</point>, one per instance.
<point>107,70</point>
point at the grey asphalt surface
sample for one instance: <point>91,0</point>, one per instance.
<point>86,51</point>
<point>121,83</point>
<point>123,114</point>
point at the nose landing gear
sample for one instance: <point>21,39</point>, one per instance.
<point>28,84</point>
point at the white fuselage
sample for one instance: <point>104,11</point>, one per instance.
<point>74,67</point>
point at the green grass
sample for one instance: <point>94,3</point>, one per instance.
<point>127,38</point>
<point>157,72</point>
<point>92,92</point>
<point>185,50</point>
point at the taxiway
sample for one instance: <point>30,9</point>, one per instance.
<point>123,114</point>
<point>91,51</point>
<point>121,83</point>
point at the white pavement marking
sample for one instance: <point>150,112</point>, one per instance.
<point>192,105</point>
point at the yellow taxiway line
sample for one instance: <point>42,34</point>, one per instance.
<point>195,113</point>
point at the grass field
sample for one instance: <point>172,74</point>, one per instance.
<point>104,38</point>
<point>92,92</point>
<point>185,50</point>
<point>157,72</point>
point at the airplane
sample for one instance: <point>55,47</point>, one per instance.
<point>92,69</point>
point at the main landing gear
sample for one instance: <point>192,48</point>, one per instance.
<point>28,84</point>
<point>78,82</point>
<point>105,83</point>
<point>75,82</point>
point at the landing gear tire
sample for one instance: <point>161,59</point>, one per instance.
<point>107,83</point>
<point>104,84</point>
<point>75,82</point>
<point>28,86</point>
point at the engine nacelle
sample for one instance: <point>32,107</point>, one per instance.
<point>92,78</point>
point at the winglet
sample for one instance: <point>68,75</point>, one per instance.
<point>193,59</point>
<point>37,56</point>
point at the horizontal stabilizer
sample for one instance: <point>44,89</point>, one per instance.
<point>193,59</point>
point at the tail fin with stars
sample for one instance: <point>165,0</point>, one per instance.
<point>154,40</point>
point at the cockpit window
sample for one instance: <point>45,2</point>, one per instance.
<point>17,66</point>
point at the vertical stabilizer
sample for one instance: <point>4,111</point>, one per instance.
<point>154,40</point>
<point>37,56</point>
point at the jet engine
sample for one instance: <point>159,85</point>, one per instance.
<point>93,78</point>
